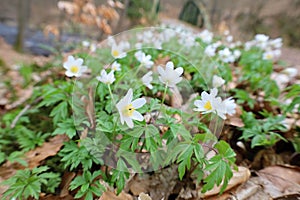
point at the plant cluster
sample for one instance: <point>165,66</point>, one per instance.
<point>130,106</point>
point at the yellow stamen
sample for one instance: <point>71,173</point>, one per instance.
<point>115,53</point>
<point>128,110</point>
<point>74,69</point>
<point>269,56</point>
<point>207,105</point>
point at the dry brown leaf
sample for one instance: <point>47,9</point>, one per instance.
<point>108,12</point>
<point>138,186</point>
<point>34,157</point>
<point>108,195</point>
<point>105,26</point>
<point>51,29</point>
<point>239,177</point>
<point>52,197</point>
<point>23,95</point>
<point>90,9</point>
<point>87,19</point>
<point>285,178</point>
<point>66,180</point>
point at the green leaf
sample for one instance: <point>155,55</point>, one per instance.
<point>59,112</point>
<point>66,127</point>
<point>199,152</point>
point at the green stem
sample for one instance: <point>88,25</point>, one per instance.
<point>137,71</point>
<point>111,95</point>
<point>163,100</point>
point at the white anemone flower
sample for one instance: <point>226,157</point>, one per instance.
<point>261,40</point>
<point>74,67</point>
<point>226,56</point>
<point>237,53</point>
<point>210,51</point>
<point>170,76</point>
<point>147,79</point>
<point>116,66</point>
<point>268,55</point>
<point>206,36</point>
<point>229,106</point>
<point>217,81</point>
<point>106,78</point>
<point>117,52</point>
<point>210,103</point>
<point>144,59</point>
<point>127,109</point>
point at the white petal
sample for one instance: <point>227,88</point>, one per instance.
<point>128,97</point>
<point>161,79</point>
<point>137,116</point>
<point>79,61</point>
<point>69,74</point>
<point>170,65</point>
<point>150,86</point>
<point>179,71</point>
<point>83,69</point>
<point>129,122</point>
<point>138,103</point>
<point>71,59</point>
<point>121,117</point>
<point>214,92</point>
<point>205,96</point>
<point>161,71</point>
<point>177,80</point>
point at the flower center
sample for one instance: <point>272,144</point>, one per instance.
<point>269,56</point>
<point>115,53</point>
<point>74,69</point>
<point>128,110</point>
<point>207,105</point>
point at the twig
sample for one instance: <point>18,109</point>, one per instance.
<point>16,119</point>
<point>13,124</point>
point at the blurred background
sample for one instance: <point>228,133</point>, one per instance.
<point>38,25</point>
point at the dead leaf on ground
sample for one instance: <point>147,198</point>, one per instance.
<point>138,185</point>
<point>108,195</point>
<point>34,157</point>
<point>23,95</point>
<point>65,183</point>
<point>52,197</point>
<point>285,178</point>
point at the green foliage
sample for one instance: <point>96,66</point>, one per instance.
<point>88,184</point>
<point>256,73</point>
<point>57,96</point>
<point>119,176</point>
<point>74,155</point>
<point>244,97</point>
<point>29,139</point>
<point>138,8</point>
<point>293,93</point>
<point>219,167</point>
<point>262,132</point>
<point>28,183</point>
<point>66,127</point>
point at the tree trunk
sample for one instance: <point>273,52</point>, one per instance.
<point>23,16</point>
